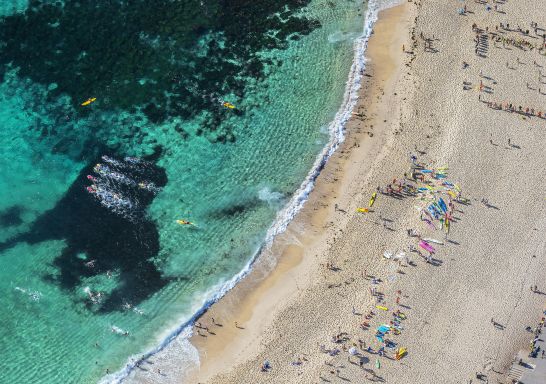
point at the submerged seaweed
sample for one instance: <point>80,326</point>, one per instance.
<point>168,58</point>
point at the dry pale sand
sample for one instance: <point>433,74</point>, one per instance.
<point>413,102</point>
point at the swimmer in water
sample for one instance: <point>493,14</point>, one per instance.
<point>111,161</point>
<point>134,160</point>
<point>149,186</point>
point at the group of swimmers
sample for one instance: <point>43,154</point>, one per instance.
<point>111,178</point>
<point>110,200</point>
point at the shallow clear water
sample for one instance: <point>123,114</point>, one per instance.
<point>227,170</point>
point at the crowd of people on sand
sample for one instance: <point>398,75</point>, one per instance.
<point>510,107</point>
<point>436,197</point>
<point>498,36</point>
<point>534,350</point>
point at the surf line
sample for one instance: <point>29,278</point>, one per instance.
<point>337,136</point>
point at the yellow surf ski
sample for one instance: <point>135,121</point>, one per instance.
<point>372,200</point>
<point>88,101</point>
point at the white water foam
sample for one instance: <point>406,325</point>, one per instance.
<point>287,214</point>
<point>274,199</point>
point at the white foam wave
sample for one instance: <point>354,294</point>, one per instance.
<point>287,214</point>
<point>269,196</point>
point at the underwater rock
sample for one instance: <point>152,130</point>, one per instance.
<point>11,217</point>
<point>62,146</point>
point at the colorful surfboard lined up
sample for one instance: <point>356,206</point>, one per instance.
<point>436,198</point>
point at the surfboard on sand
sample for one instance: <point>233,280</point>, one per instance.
<point>372,199</point>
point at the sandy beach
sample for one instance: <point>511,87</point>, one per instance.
<point>462,92</point>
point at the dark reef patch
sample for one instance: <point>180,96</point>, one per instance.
<point>112,242</point>
<point>11,217</point>
<point>170,58</point>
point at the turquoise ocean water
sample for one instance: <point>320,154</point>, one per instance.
<point>89,280</point>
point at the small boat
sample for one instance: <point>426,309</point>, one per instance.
<point>228,105</point>
<point>88,101</point>
<point>363,210</point>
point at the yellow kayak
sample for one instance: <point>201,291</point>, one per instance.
<point>184,222</point>
<point>363,210</point>
<point>228,105</point>
<point>88,101</point>
<point>372,200</point>
<point>382,308</point>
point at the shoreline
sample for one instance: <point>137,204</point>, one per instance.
<point>264,290</point>
<point>260,266</point>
